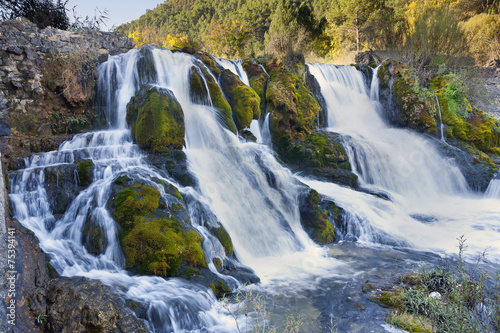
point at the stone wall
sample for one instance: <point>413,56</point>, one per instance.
<point>41,101</point>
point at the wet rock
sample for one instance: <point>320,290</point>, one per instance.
<point>32,277</point>
<point>82,305</point>
<point>315,220</point>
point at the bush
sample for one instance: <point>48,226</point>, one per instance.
<point>43,13</point>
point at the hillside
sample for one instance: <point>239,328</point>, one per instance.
<point>238,28</point>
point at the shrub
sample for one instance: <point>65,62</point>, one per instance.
<point>43,13</point>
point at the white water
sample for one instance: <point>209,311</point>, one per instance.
<point>398,160</point>
<point>430,204</point>
<point>493,190</point>
<point>441,125</point>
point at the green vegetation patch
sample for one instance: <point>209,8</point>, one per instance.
<point>258,81</point>
<point>465,122</point>
<point>224,239</point>
<point>159,246</point>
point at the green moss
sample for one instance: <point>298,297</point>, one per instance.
<point>52,271</point>
<point>258,81</point>
<point>390,299</point>
<point>85,172</point>
<point>466,122</point>
<point>224,239</point>
<point>410,322</point>
<point>156,119</point>
<point>414,112</point>
<point>159,246</point>
<point>122,180</point>
<point>244,101</point>
<point>218,263</point>
<point>190,272</point>
<point>219,102</point>
<point>315,220</point>
<point>220,289</point>
<point>134,202</point>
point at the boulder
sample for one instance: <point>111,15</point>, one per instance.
<point>78,304</point>
<point>156,119</point>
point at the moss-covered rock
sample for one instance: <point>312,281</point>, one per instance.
<point>244,101</point>
<point>156,119</point>
<point>159,246</point>
<point>199,94</point>
<point>224,239</point>
<point>220,289</point>
<point>294,113</point>
<point>258,81</point>
<point>464,121</point>
<point>315,220</point>
<point>209,62</point>
<point>85,172</point>
<point>94,237</point>
<point>414,112</point>
<point>154,242</point>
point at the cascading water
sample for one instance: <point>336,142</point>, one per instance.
<point>430,202</point>
<point>441,125</point>
<point>493,190</point>
<point>236,67</point>
<point>244,188</point>
<point>260,215</point>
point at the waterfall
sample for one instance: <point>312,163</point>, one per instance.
<point>430,203</point>
<point>395,159</point>
<point>241,185</point>
<point>441,125</point>
<point>493,190</point>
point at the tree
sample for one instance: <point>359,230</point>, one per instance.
<point>227,41</point>
<point>483,37</point>
<point>292,25</point>
<point>43,13</point>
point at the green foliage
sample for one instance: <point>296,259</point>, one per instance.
<point>467,123</point>
<point>292,26</point>
<point>483,37</point>
<point>460,306</point>
<point>156,119</point>
<point>43,13</point>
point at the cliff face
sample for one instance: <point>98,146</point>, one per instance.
<point>47,79</point>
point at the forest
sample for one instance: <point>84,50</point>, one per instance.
<point>417,30</point>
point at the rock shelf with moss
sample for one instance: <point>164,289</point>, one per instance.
<point>316,220</point>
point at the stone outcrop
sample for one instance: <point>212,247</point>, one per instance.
<point>41,91</point>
